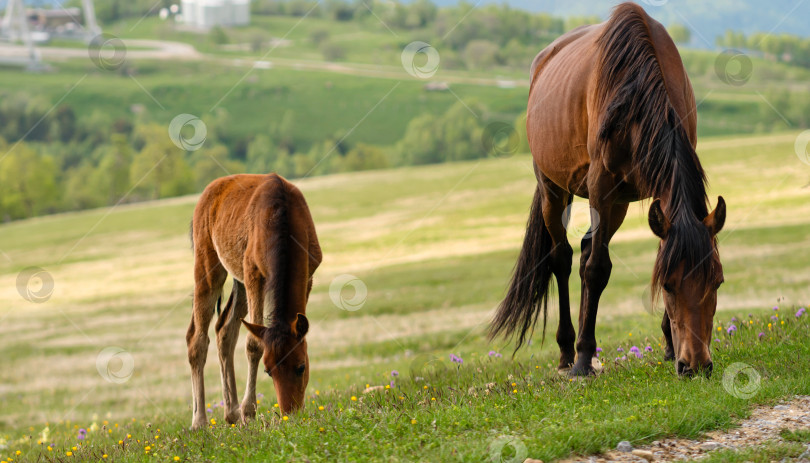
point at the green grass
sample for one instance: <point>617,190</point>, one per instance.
<point>460,413</point>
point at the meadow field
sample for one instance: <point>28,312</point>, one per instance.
<point>428,251</point>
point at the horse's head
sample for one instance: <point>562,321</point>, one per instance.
<point>285,359</point>
<point>689,272</point>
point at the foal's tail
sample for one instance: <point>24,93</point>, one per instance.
<point>531,280</point>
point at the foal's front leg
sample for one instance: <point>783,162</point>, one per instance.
<point>227,335</point>
<point>253,348</point>
<point>666,327</point>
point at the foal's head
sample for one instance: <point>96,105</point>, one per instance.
<point>689,272</point>
<point>285,359</point>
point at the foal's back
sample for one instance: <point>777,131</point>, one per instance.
<point>233,214</point>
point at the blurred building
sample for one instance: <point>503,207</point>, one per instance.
<point>210,13</point>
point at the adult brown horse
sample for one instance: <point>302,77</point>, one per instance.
<point>257,228</point>
<point>611,118</point>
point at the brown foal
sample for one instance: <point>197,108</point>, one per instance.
<point>259,229</point>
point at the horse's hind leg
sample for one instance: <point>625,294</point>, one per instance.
<point>555,200</point>
<point>209,276</point>
<point>227,335</point>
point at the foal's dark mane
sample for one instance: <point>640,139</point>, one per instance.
<point>276,200</point>
<point>638,110</point>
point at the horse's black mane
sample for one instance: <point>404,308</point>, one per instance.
<point>638,110</point>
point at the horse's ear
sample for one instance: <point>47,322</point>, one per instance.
<point>300,326</point>
<point>717,218</point>
<point>255,330</point>
<point>659,224</point>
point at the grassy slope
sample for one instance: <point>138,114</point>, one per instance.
<point>434,246</point>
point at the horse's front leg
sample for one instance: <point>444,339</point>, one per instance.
<point>666,327</point>
<point>605,220</point>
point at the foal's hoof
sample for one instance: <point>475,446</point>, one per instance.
<point>198,423</point>
<point>669,356</point>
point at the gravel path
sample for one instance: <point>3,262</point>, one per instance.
<point>764,425</point>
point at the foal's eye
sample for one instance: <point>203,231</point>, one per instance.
<point>268,373</point>
<point>667,288</point>
<point>300,370</point>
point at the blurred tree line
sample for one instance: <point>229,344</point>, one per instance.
<point>54,161</point>
<point>777,47</point>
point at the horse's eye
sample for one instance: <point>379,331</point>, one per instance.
<point>301,369</point>
<point>268,373</point>
<point>667,288</point>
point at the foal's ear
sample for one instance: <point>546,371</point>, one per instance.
<point>659,224</point>
<point>300,326</point>
<point>255,330</point>
<point>717,218</point>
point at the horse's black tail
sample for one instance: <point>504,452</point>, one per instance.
<point>531,281</point>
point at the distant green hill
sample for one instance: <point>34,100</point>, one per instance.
<point>706,19</point>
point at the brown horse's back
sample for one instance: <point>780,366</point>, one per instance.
<point>563,115</point>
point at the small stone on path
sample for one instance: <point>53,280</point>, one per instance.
<point>709,446</point>
<point>645,454</point>
<point>624,446</point>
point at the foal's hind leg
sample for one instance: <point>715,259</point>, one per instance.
<point>209,276</point>
<point>227,335</point>
<point>555,200</point>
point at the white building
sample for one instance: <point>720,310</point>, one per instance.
<point>209,13</point>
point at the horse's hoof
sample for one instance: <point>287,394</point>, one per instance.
<point>668,357</point>
<point>581,370</point>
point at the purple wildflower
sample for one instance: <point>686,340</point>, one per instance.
<point>619,350</point>
<point>774,318</point>
<point>258,395</point>
<point>456,359</point>
<point>716,340</point>
<point>760,335</point>
<point>639,355</point>
<point>624,357</point>
<point>648,349</point>
<point>598,349</point>
<point>734,319</point>
<point>392,383</point>
<point>209,410</point>
<point>82,434</point>
<point>800,312</point>
<point>731,329</point>
<point>492,353</point>
<point>394,373</point>
<point>634,350</point>
<point>750,315</point>
<point>776,307</point>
